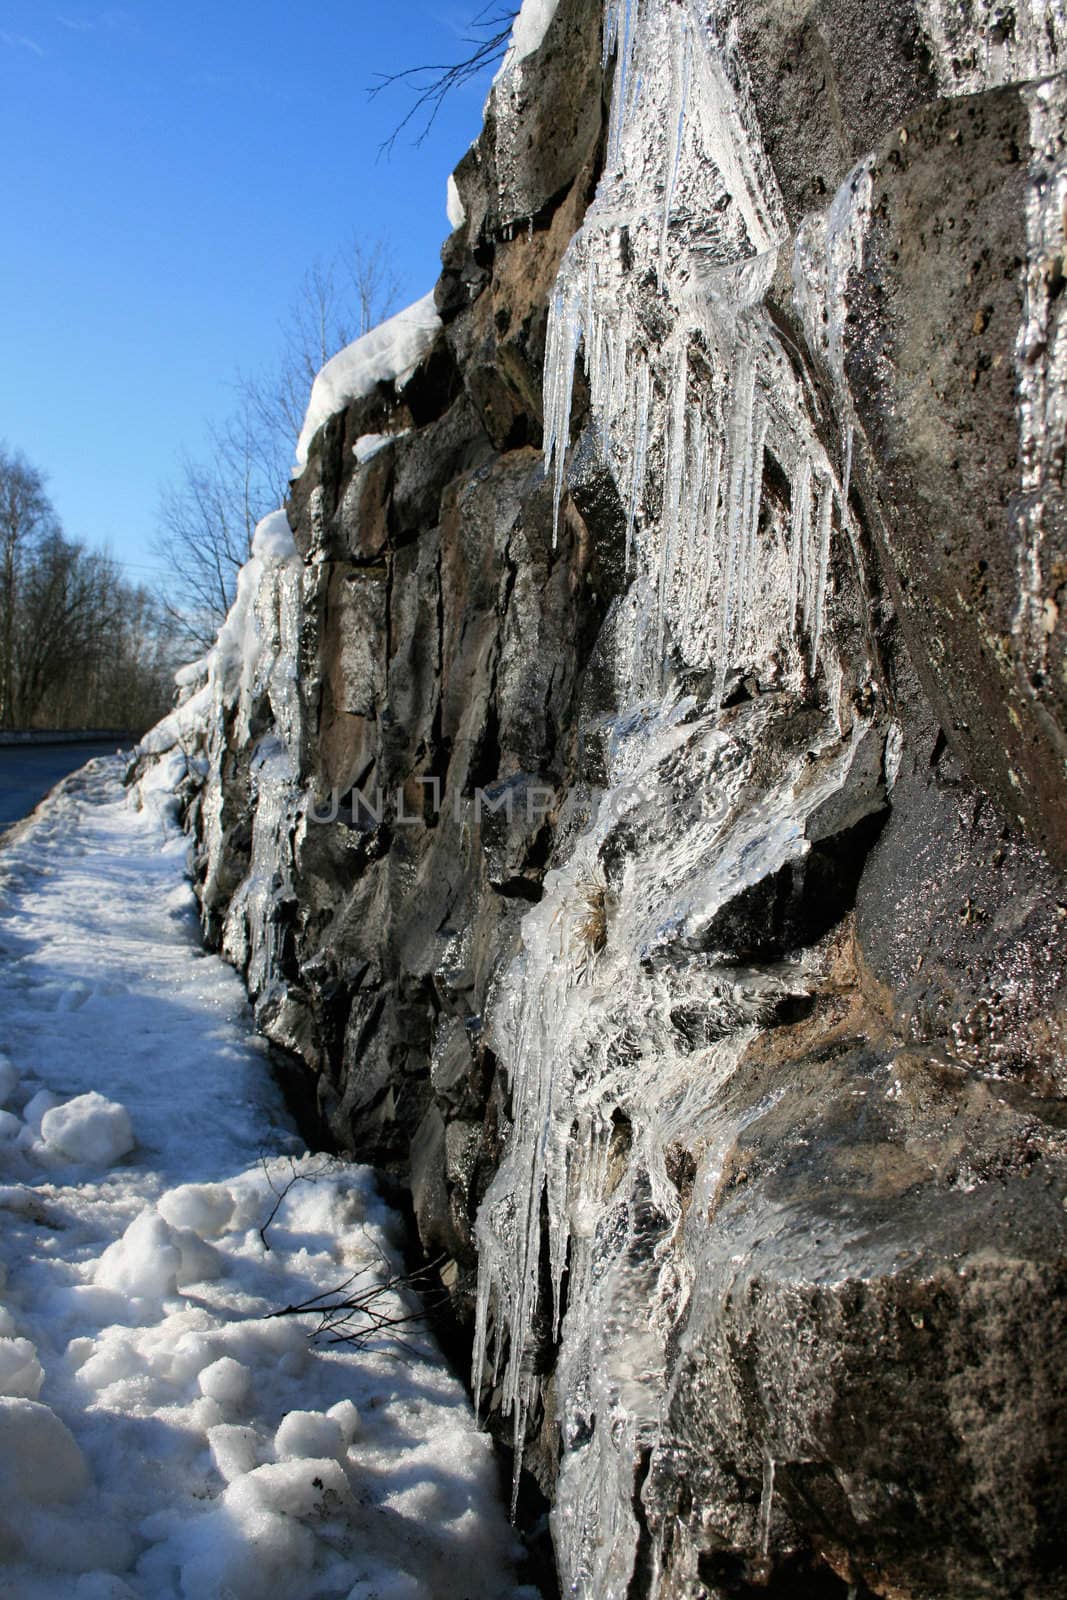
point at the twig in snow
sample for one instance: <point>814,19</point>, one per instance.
<point>358,1316</point>
<point>281,1194</point>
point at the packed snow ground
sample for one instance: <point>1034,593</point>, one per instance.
<point>160,1435</point>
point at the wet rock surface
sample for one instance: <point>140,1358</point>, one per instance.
<point>668,886</point>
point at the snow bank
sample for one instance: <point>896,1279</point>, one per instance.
<point>387,353</point>
<point>162,1435</point>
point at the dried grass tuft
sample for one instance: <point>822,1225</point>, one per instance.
<point>590,932</point>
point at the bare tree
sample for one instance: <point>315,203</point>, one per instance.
<point>79,647</point>
<point>207,517</point>
<point>26,519</point>
<point>206,522</point>
<point>338,301</point>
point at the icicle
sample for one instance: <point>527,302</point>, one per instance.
<point>846,481</point>
<point>714,521</point>
<point>826,507</point>
<point>696,502</point>
<point>561,352</point>
<point>754,469</point>
<point>766,1507</point>
<point>739,444</point>
<point>620,31</point>
<point>676,459</point>
<point>481,1323</point>
<point>680,97</point>
<point>642,392</point>
<point>798,532</point>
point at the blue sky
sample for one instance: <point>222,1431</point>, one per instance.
<point>169,172</point>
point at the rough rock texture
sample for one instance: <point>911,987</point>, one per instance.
<point>684,929</point>
<point>936,315</point>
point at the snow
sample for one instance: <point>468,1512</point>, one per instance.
<point>369,444</point>
<point>389,352</point>
<point>457,211</point>
<point>203,1208</point>
<point>20,1371</point>
<point>227,1381</point>
<point>309,1433</point>
<point>235,1449</point>
<point>527,35</point>
<point>38,1455</point>
<point>162,1435</point>
<point>33,1112</point>
<point>90,1128</point>
<point>253,654</point>
<point>273,538</point>
<point>253,664</point>
<point>9,1080</point>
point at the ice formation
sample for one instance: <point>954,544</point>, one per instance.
<point>686,419</point>
<point>973,50</point>
<point>698,404</point>
<point>248,682</point>
<point>688,401</point>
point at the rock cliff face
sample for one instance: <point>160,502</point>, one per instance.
<point>642,806</point>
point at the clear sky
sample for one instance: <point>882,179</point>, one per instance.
<point>168,173</point>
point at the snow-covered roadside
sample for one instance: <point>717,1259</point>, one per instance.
<point>160,1436</point>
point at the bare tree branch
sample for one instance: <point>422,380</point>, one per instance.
<point>208,515</point>
<point>282,1194</point>
<point>431,84</point>
<point>79,646</point>
<point>348,1315</point>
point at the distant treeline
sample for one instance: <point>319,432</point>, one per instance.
<point>80,647</point>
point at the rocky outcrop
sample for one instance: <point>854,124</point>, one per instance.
<point>644,816</point>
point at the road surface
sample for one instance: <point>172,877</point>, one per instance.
<point>27,772</point>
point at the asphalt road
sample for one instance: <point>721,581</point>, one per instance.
<point>27,772</point>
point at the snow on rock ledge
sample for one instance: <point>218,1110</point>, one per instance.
<point>385,354</point>
<point>527,33</point>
